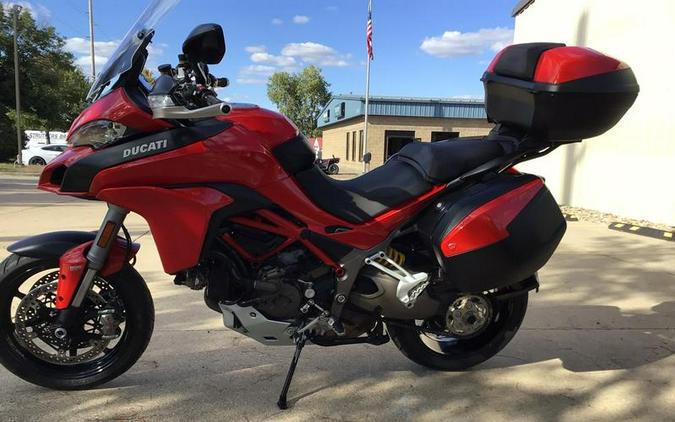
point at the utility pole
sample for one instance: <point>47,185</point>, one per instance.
<point>17,90</point>
<point>91,41</point>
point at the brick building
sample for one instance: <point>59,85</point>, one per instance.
<point>394,122</point>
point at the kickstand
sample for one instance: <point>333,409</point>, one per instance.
<point>300,343</point>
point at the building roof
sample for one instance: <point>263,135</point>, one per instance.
<point>345,107</point>
<point>520,7</point>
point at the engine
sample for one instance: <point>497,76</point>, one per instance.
<point>278,289</point>
<point>284,283</point>
<point>292,285</point>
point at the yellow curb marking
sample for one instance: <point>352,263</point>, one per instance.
<point>619,225</point>
<point>667,234</point>
<point>634,228</point>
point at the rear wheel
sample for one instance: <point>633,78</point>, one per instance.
<point>474,328</point>
<point>333,169</point>
<point>107,335</point>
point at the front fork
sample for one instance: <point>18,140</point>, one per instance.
<point>98,252</point>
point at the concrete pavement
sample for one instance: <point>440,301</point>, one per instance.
<point>597,344</point>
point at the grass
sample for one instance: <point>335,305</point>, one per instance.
<point>15,169</point>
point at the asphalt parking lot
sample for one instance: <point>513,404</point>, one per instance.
<point>597,344</point>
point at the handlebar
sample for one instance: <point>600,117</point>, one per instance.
<point>180,112</point>
<point>187,93</point>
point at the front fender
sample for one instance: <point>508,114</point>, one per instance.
<point>70,248</point>
<point>50,245</point>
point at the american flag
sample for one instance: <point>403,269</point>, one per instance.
<point>369,30</point>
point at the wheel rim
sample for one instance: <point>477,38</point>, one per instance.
<point>470,323</point>
<point>32,317</point>
<point>468,315</point>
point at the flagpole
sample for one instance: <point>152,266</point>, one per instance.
<point>365,132</point>
<point>366,164</point>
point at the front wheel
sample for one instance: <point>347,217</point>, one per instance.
<point>472,330</point>
<point>107,335</point>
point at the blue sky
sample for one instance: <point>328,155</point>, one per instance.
<point>423,48</point>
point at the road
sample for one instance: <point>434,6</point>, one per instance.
<point>597,344</point>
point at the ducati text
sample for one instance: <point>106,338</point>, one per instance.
<point>143,148</point>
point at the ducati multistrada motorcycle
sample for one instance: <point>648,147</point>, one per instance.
<point>436,250</point>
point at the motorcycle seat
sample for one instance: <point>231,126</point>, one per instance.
<point>409,174</point>
<point>444,161</point>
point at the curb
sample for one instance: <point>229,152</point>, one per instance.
<point>644,231</point>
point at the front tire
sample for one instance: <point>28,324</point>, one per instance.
<point>18,277</point>
<point>333,169</point>
<point>457,353</point>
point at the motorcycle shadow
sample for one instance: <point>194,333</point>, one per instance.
<point>589,338</point>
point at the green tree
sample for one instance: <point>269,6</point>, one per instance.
<point>53,88</point>
<point>300,96</point>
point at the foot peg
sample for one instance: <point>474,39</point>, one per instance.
<point>410,286</point>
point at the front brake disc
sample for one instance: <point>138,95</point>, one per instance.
<point>36,331</point>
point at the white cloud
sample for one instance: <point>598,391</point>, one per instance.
<point>77,45</point>
<point>258,69</point>
<point>277,21</point>
<point>256,49</point>
<point>255,74</point>
<point>272,59</point>
<point>455,43</point>
<point>315,53</point>
<point>80,49</point>
<point>300,20</point>
<point>290,60</point>
<point>103,50</point>
<point>85,62</point>
<point>259,54</point>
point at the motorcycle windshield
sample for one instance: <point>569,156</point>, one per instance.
<point>122,59</point>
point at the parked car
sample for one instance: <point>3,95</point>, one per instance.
<point>41,155</point>
<point>328,165</point>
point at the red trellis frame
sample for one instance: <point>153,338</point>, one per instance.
<point>271,222</point>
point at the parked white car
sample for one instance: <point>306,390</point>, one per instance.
<point>41,154</point>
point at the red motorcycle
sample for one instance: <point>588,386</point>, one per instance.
<point>437,249</point>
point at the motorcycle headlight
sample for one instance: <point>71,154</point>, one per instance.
<point>98,134</point>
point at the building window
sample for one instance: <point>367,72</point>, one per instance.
<point>395,140</point>
<point>360,145</point>
<point>326,116</point>
<point>347,148</point>
<point>340,111</point>
<point>354,146</point>
<point>443,136</point>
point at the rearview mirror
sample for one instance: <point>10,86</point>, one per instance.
<point>205,44</point>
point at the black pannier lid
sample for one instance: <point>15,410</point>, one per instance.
<point>552,92</point>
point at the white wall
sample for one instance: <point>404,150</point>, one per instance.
<point>630,170</point>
